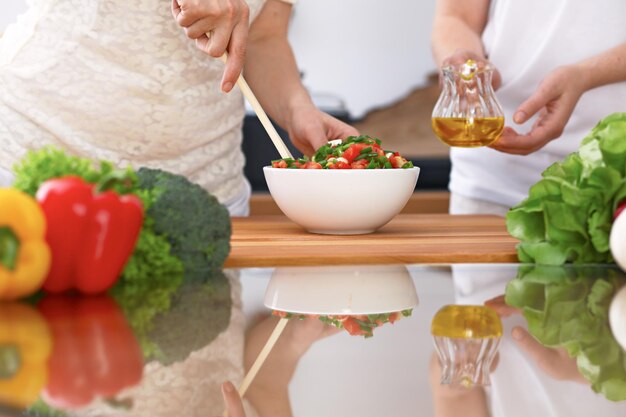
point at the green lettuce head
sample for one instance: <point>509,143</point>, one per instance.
<point>568,214</point>
<point>568,307</point>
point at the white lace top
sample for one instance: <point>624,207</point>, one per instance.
<point>119,80</point>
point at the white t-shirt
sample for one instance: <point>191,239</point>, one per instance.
<point>526,40</point>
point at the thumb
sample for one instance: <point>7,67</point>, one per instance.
<point>232,400</point>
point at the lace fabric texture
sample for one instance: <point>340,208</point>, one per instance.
<point>119,80</point>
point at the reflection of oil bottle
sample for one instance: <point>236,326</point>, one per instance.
<point>467,113</point>
<point>466,338</point>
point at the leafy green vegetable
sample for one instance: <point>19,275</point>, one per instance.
<point>199,312</point>
<point>150,278</point>
<point>568,214</point>
<point>152,273</point>
<point>196,225</point>
<point>41,409</point>
<point>568,307</point>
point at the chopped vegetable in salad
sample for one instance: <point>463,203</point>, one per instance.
<point>357,325</point>
<point>362,152</point>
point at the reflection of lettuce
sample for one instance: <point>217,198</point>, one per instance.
<point>568,214</point>
<point>199,312</point>
<point>568,307</point>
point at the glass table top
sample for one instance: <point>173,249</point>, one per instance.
<point>167,351</point>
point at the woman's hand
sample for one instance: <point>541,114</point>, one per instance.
<point>310,128</point>
<point>460,56</point>
<point>234,406</point>
<point>556,363</point>
<point>226,22</point>
<point>554,101</point>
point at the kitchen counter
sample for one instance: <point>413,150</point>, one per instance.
<point>82,357</point>
<point>260,241</point>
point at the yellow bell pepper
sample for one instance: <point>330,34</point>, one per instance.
<point>24,254</point>
<point>25,346</point>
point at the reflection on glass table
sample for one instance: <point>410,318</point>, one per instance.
<point>167,351</point>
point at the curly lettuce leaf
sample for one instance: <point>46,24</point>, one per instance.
<point>568,214</point>
<point>568,307</point>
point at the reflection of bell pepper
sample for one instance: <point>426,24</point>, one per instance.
<point>91,234</point>
<point>95,352</point>
<point>25,344</point>
<point>24,254</point>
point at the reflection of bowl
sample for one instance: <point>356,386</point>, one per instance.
<point>341,201</point>
<point>339,290</point>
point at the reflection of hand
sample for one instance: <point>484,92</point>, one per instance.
<point>234,406</point>
<point>554,101</point>
<point>450,400</point>
<point>227,23</point>
<point>268,392</point>
<point>554,362</point>
<point>460,56</point>
<point>310,128</point>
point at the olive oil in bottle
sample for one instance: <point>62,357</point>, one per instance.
<point>468,132</point>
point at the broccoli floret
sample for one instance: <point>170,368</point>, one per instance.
<point>196,225</point>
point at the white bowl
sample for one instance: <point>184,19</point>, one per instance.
<point>341,201</point>
<point>341,290</point>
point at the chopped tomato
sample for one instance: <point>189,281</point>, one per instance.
<point>338,165</point>
<point>360,164</point>
<point>397,161</point>
<point>282,314</point>
<point>393,317</point>
<point>279,164</point>
<point>355,150</point>
<point>352,327</point>
<point>312,165</point>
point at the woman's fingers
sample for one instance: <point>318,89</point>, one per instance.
<point>236,56</point>
<point>501,307</point>
<point>232,400</point>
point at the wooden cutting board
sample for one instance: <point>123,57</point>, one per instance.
<point>261,241</point>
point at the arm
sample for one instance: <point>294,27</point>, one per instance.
<point>556,97</point>
<point>269,392</point>
<point>458,25</point>
<point>273,75</point>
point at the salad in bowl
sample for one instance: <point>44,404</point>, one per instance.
<point>351,186</point>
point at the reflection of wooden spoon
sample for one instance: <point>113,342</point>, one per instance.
<point>260,359</point>
<point>265,121</point>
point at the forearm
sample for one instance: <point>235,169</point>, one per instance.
<point>606,68</point>
<point>451,33</point>
<point>274,77</point>
<point>458,25</point>
<point>472,403</point>
<point>270,402</point>
<point>269,392</point>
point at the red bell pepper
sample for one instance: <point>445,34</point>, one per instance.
<point>91,234</point>
<point>95,353</point>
